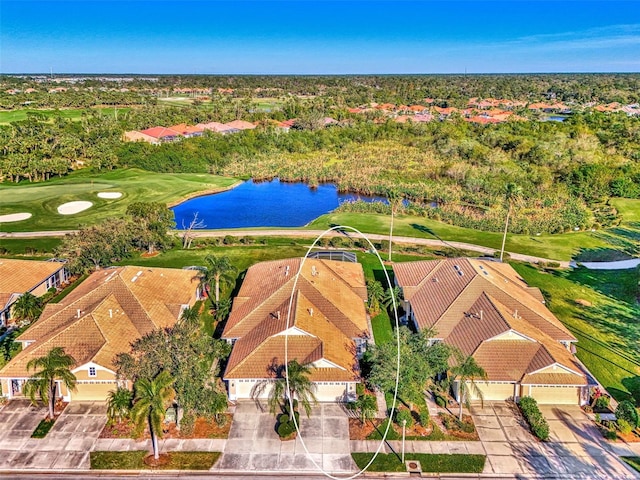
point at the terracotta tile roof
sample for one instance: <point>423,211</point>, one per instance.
<point>553,379</point>
<point>160,132</point>
<point>20,276</point>
<point>328,312</point>
<point>117,306</point>
<point>240,125</point>
<point>487,310</point>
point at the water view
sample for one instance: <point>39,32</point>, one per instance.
<point>264,204</point>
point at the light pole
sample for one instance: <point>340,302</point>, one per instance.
<point>404,428</point>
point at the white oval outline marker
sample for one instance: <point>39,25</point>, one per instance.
<point>286,353</point>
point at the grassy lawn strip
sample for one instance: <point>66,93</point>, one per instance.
<point>43,428</point>
<point>134,460</point>
<point>430,462</point>
<point>633,462</point>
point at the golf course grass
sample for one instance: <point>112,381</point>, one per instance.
<point>557,247</point>
<point>600,309</point>
<point>43,199</point>
<point>68,113</point>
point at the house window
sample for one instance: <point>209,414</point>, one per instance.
<point>92,371</point>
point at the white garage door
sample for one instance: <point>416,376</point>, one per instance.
<point>493,390</point>
<point>331,392</point>
<point>550,395</point>
<point>93,391</point>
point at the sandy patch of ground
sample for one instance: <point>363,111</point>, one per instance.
<point>14,217</point>
<point>71,208</point>
<point>109,195</point>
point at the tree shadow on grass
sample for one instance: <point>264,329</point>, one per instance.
<point>601,254</point>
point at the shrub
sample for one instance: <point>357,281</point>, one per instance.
<point>283,418</point>
<point>229,240</point>
<point>602,402</point>
<point>624,426</point>
<point>425,418</point>
<point>627,411</point>
<point>610,434</point>
<point>598,419</point>
<point>187,423</point>
<point>441,401</point>
<point>587,409</point>
<point>537,423</point>
<point>285,429</point>
<point>402,415</point>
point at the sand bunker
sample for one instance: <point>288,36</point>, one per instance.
<point>109,195</point>
<point>73,207</point>
<point>14,217</point>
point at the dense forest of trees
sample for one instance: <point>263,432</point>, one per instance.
<point>567,171</point>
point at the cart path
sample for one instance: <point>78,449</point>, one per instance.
<point>315,233</point>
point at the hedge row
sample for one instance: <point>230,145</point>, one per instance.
<point>537,423</point>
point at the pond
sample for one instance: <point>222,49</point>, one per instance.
<point>264,204</point>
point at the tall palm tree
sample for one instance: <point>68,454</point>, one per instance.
<point>27,307</point>
<point>512,194</point>
<point>395,201</point>
<point>152,398</point>
<point>119,403</point>
<point>375,295</point>
<point>299,387</point>
<point>465,372</point>
<point>190,316</point>
<point>217,271</point>
<point>56,365</point>
<point>391,296</point>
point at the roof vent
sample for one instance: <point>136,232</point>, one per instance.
<point>311,312</point>
<point>286,271</point>
<point>435,280</point>
<point>481,314</point>
<point>314,272</point>
<point>79,312</point>
<point>515,314</point>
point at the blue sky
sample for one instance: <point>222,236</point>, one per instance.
<point>319,36</point>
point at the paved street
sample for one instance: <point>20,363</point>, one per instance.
<point>576,449</point>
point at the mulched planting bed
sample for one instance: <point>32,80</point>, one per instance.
<point>374,430</point>
<point>203,428</point>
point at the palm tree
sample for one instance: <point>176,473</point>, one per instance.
<point>512,194</point>
<point>375,294</point>
<point>465,372</point>
<point>395,201</point>
<point>190,316</point>
<point>54,366</point>
<point>391,295</point>
<point>218,270</point>
<point>152,398</point>
<point>299,387</point>
<point>119,404</point>
<point>28,307</point>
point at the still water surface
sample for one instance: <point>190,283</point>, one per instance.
<point>264,204</point>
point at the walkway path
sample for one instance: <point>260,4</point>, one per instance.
<point>315,233</point>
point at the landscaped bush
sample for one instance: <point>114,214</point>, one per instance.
<point>404,415</point>
<point>627,411</point>
<point>425,418</point>
<point>624,426</point>
<point>537,423</point>
<point>43,428</point>
<point>452,424</point>
<point>610,434</point>
<point>441,401</point>
<point>602,402</point>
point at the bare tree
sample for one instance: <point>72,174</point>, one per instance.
<point>187,230</point>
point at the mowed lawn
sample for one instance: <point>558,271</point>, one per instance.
<point>608,330</point>
<point>557,247</point>
<point>43,199</point>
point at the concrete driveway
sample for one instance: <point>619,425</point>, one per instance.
<point>253,444</point>
<point>66,446</point>
<point>575,448</point>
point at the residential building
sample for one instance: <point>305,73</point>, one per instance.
<point>20,276</point>
<point>486,310</point>
<point>162,134</point>
<point>107,312</point>
<point>136,136</point>
<point>318,316</point>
